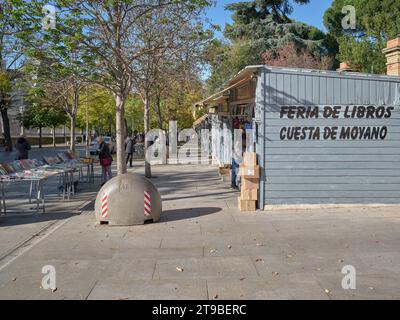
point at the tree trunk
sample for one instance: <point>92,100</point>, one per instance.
<point>87,141</point>
<point>147,166</point>
<point>40,138</point>
<point>120,104</point>
<point>54,137</point>
<point>158,110</point>
<point>65,134</point>
<point>127,129</point>
<point>72,133</point>
<point>7,132</point>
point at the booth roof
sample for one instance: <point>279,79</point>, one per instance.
<point>249,71</point>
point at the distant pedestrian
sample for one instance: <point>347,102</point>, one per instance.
<point>105,160</point>
<point>22,146</point>
<point>130,149</point>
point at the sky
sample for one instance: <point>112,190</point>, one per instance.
<point>311,13</point>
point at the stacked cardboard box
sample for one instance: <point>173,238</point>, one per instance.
<point>249,172</point>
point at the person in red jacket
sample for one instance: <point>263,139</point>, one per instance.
<point>105,160</point>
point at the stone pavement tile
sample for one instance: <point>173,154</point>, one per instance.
<point>294,286</point>
<point>255,249</point>
<point>72,241</point>
<point>74,279</point>
<point>127,252</point>
<point>177,289</point>
<point>204,268</point>
<point>143,241</point>
<point>73,250</point>
<point>368,286</point>
<point>177,227</point>
<point>12,236</point>
<point>271,266</point>
<point>381,263</point>
<point>370,244</point>
<point>211,240</point>
<point>127,269</point>
<point>190,211</point>
<point>231,226</point>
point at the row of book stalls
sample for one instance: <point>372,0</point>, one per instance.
<point>312,138</point>
<point>229,118</point>
<point>31,175</point>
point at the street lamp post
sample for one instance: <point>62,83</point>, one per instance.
<point>87,124</point>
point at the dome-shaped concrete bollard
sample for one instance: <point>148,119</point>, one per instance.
<point>128,200</point>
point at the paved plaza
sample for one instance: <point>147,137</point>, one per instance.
<point>203,248</point>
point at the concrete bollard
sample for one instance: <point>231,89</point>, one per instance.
<point>128,200</point>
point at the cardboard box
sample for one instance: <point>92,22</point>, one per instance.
<point>247,205</point>
<point>249,195</point>
<point>250,184</point>
<point>249,172</point>
<point>250,159</point>
<point>224,171</point>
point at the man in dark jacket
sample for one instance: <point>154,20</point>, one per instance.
<point>22,146</point>
<point>130,149</point>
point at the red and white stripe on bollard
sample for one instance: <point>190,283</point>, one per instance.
<point>104,206</point>
<point>147,203</point>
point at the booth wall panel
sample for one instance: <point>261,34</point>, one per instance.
<point>328,171</point>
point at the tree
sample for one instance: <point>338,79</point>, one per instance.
<point>377,21</point>
<point>178,40</point>
<point>56,117</point>
<point>292,57</point>
<point>11,59</point>
<point>259,26</point>
<point>39,115</point>
<point>101,110</point>
<point>110,34</point>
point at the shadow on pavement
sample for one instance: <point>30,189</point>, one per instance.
<point>30,218</point>
<point>189,213</point>
<point>221,195</point>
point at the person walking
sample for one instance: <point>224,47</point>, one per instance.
<point>22,146</point>
<point>105,160</point>
<point>130,149</point>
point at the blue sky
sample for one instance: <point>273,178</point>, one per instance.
<point>311,13</point>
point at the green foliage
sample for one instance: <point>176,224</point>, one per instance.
<point>101,111</point>
<point>377,21</point>
<point>259,26</point>
<point>41,113</point>
<point>178,104</point>
<point>39,116</point>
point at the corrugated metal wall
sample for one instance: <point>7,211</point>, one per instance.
<point>327,171</point>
